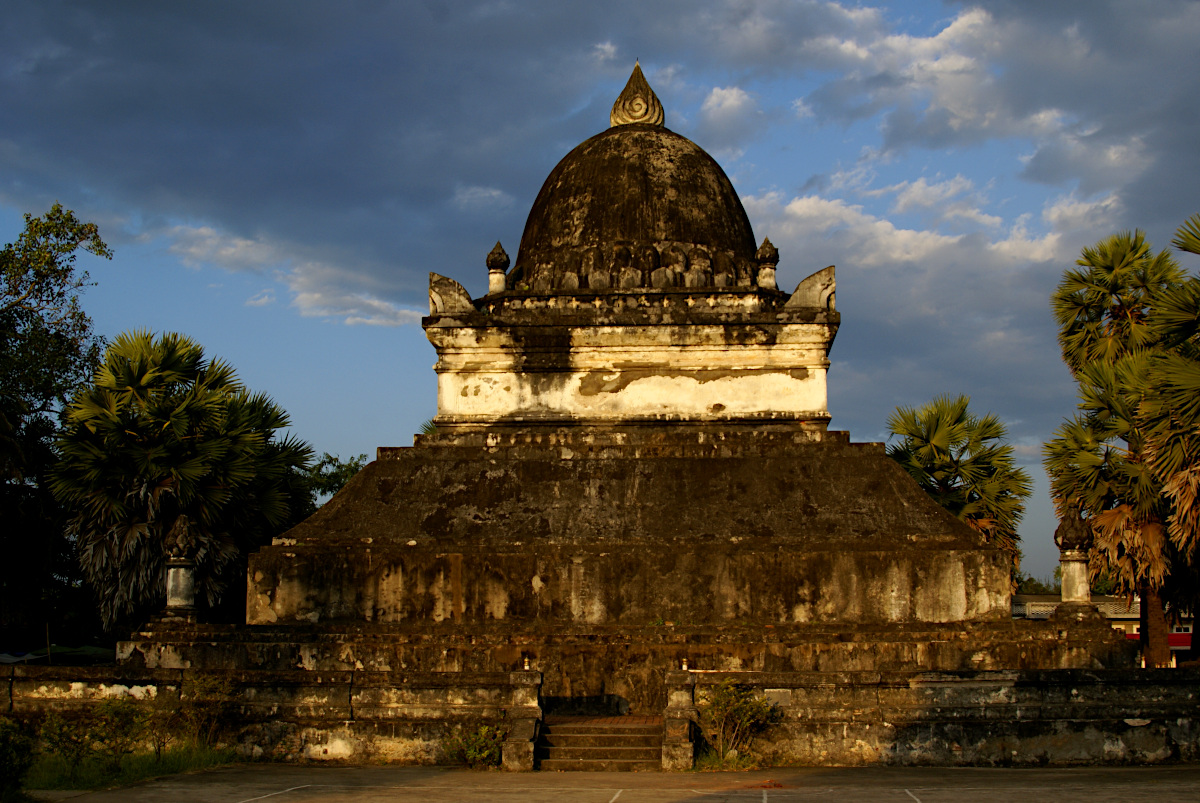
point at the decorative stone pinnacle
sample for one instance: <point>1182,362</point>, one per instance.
<point>767,253</point>
<point>497,259</point>
<point>637,102</point>
<point>497,263</point>
<point>1073,533</point>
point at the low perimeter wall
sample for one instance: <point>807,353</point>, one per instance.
<point>300,715</point>
<point>985,718</point>
<point>992,718</point>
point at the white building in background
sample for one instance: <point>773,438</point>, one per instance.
<point>1121,612</point>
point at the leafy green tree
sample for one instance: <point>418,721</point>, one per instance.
<point>330,474</point>
<point>966,465</point>
<point>168,455</point>
<point>1027,584</point>
<point>1098,460</point>
<point>47,351</point>
<point>324,478</point>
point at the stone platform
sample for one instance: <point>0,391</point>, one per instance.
<point>978,718</point>
<point>600,561</point>
<point>621,669</point>
<point>605,558</point>
<point>683,524</point>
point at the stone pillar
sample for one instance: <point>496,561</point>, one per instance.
<point>679,718</point>
<point>181,588</point>
<point>497,263</point>
<point>1074,538</point>
<point>1073,566</point>
<point>525,717</point>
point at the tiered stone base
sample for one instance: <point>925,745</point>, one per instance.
<point>1015,718</point>
<point>549,531</point>
<point>615,669</point>
<point>983,718</point>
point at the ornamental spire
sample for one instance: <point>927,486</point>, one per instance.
<point>637,103</point>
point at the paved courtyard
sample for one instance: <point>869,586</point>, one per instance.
<point>308,784</point>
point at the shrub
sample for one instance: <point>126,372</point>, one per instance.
<point>205,706</point>
<point>731,715</point>
<point>16,756</point>
<point>119,727</point>
<point>163,722</point>
<point>479,749</point>
<point>70,739</point>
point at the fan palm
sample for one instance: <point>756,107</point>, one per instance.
<point>1097,462</point>
<point>1103,308</point>
<point>1171,409</point>
<point>167,454</point>
<point>964,463</point>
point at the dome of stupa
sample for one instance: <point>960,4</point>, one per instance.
<point>630,200</point>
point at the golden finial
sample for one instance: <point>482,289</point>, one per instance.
<point>637,103</point>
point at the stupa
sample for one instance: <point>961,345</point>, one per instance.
<point>632,475</point>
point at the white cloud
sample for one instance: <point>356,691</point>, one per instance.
<point>319,288</point>
<point>201,245</point>
<point>726,103</point>
<point>920,193</point>
<point>1071,214</point>
<point>667,77</point>
<point>729,117</point>
<point>604,51</point>
<point>872,241</point>
<point>1021,246</point>
<point>953,199</point>
<point>475,199</point>
<point>802,109</point>
<point>1047,75</point>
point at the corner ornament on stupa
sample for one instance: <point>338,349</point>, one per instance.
<point>637,102</point>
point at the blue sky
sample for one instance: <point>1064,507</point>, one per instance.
<point>278,178</point>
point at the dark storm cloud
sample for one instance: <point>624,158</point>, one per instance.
<point>364,143</point>
<point>342,133</point>
<point>349,133</point>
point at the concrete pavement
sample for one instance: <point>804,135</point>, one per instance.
<point>277,783</point>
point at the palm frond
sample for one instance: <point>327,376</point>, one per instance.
<point>1187,237</point>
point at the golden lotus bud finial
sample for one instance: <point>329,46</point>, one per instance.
<point>637,102</point>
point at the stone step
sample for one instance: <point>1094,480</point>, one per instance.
<point>600,765</point>
<point>600,753</point>
<point>557,739</point>
<point>600,744</point>
<point>604,730</point>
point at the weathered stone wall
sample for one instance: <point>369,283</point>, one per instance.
<point>979,718</point>
<point>698,581</point>
<point>626,528</point>
<point>297,715</point>
<point>621,669</point>
<point>993,718</point>
<point>620,373</point>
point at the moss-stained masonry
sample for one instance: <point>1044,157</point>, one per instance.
<point>983,718</point>
<point>625,528</point>
<point>632,493</point>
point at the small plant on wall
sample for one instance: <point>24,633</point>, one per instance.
<point>482,748</point>
<point>731,715</point>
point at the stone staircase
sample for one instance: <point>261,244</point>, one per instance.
<point>600,744</point>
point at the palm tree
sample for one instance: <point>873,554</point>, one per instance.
<point>966,465</point>
<point>1097,461</point>
<point>167,454</point>
<point>1171,411</point>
